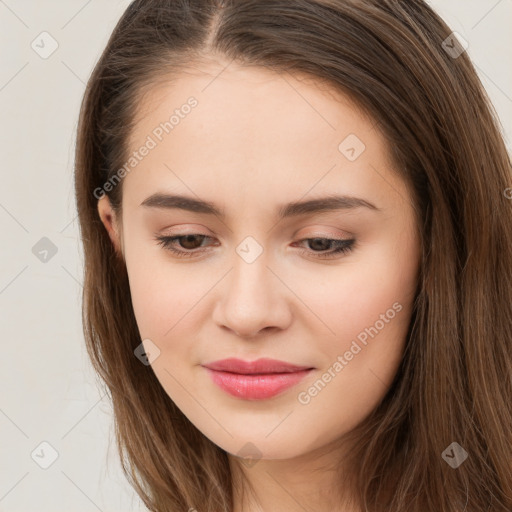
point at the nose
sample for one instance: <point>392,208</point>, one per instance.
<point>253,299</point>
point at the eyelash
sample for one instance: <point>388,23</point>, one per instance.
<point>343,246</point>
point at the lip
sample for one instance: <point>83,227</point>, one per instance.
<point>255,380</point>
<point>260,366</point>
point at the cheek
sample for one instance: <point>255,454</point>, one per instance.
<point>359,361</point>
<point>363,337</point>
<point>365,311</point>
<point>155,293</point>
<point>161,290</point>
<point>347,299</point>
<point>159,302</point>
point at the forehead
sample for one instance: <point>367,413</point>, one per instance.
<point>250,130</point>
<point>255,99</point>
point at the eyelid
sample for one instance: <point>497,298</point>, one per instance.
<point>189,229</point>
<point>344,235</point>
<point>318,233</point>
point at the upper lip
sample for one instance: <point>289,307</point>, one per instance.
<point>260,366</point>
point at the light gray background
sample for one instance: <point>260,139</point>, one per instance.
<point>48,391</point>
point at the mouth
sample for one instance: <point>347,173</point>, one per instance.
<point>258,380</point>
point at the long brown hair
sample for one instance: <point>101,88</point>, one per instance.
<point>399,62</point>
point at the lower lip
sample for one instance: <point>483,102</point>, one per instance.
<point>256,387</point>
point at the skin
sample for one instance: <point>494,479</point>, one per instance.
<point>255,141</point>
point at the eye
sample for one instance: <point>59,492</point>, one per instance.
<point>189,244</point>
<point>168,243</point>
<point>340,246</point>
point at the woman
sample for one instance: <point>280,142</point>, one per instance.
<point>339,337</point>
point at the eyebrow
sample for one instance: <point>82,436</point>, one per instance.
<point>322,204</point>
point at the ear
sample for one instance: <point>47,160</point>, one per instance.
<point>110,221</point>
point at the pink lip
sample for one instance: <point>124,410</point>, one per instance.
<point>255,380</point>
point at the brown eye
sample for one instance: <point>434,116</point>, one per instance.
<point>190,241</point>
<point>189,244</point>
<point>323,244</point>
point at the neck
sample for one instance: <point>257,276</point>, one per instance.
<point>311,481</point>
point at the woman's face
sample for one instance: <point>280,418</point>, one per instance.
<point>255,145</point>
